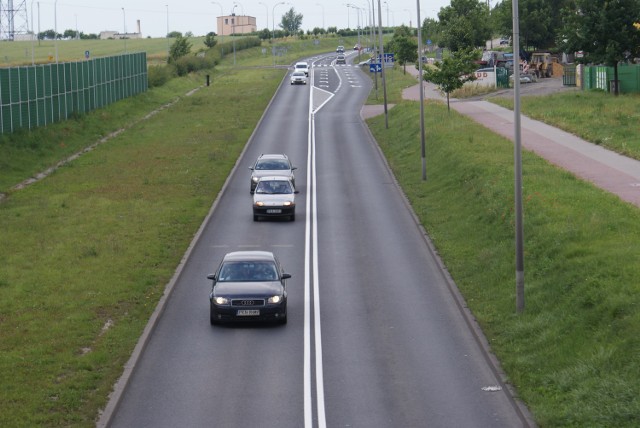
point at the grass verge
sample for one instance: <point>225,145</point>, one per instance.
<point>573,354</point>
<point>596,116</point>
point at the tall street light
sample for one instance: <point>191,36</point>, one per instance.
<point>221,15</point>
<point>273,29</point>
<point>167,35</point>
<point>322,6</point>
<point>422,138</point>
<point>517,160</point>
<point>267,9</point>
<point>409,12</point>
<point>55,27</point>
<point>124,28</point>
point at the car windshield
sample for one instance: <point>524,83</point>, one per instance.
<point>272,164</point>
<point>248,271</point>
<point>273,187</point>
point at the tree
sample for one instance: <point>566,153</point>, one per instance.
<point>179,48</point>
<point>464,24</point>
<point>431,30</point>
<point>291,21</point>
<point>539,21</point>
<point>405,50</point>
<point>452,72</point>
<point>174,34</point>
<point>210,40</point>
<point>47,35</point>
<point>604,29</point>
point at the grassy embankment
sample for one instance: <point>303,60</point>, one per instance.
<point>595,116</point>
<point>573,353</point>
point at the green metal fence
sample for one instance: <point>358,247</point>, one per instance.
<point>602,77</point>
<point>37,95</point>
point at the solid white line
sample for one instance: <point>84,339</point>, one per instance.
<point>308,406</point>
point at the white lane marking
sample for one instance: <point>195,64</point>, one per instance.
<point>311,245</point>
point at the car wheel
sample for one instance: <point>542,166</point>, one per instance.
<point>255,217</point>
<point>292,217</point>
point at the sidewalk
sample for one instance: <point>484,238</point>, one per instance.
<point>608,170</point>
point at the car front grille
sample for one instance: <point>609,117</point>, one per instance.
<point>247,302</point>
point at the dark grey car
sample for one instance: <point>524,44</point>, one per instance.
<point>248,286</point>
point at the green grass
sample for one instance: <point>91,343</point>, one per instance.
<point>396,81</point>
<point>573,353</point>
<point>595,116</point>
<point>43,51</point>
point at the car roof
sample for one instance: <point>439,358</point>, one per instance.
<point>273,156</point>
<point>248,255</point>
<point>302,63</point>
<point>275,178</point>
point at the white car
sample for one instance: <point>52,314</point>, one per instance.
<point>298,78</point>
<point>302,66</point>
<point>274,197</point>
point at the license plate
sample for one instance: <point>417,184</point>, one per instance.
<point>248,312</point>
<point>274,211</point>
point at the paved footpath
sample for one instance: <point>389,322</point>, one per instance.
<point>608,170</point>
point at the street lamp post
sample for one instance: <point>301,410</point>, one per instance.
<point>322,6</point>
<point>273,29</point>
<point>221,14</point>
<point>55,27</point>
<point>124,28</point>
<point>233,31</point>
<point>267,9</point>
<point>409,12</point>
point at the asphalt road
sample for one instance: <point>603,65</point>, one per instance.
<point>375,337</point>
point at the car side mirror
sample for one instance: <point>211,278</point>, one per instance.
<point>251,168</point>
<point>293,168</point>
<point>285,276</point>
<point>212,276</point>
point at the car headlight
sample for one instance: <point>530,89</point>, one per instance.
<point>274,299</point>
<point>288,204</point>
<point>221,300</point>
<point>254,179</point>
<point>259,204</point>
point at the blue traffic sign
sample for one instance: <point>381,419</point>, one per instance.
<point>375,67</point>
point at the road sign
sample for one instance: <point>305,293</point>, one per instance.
<point>375,67</point>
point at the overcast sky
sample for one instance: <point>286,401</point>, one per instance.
<point>199,16</point>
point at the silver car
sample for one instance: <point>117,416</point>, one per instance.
<point>298,78</point>
<point>271,164</point>
<point>274,197</point>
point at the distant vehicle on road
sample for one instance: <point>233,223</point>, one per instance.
<point>341,59</point>
<point>340,49</point>
<point>248,286</point>
<point>302,66</point>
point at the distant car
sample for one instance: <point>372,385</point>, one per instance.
<point>504,42</point>
<point>341,59</point>
<point>271,164</point>
<point>357,47</point>
<point>298,78</point>
<point>340,49</point>
<point>248,286</point>
<point>302,66</point>
<point>274,197</point>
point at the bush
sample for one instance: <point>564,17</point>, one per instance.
<point>189,64</point>
<point>158,75</point>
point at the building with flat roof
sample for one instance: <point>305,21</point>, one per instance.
<point>236,24</point>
